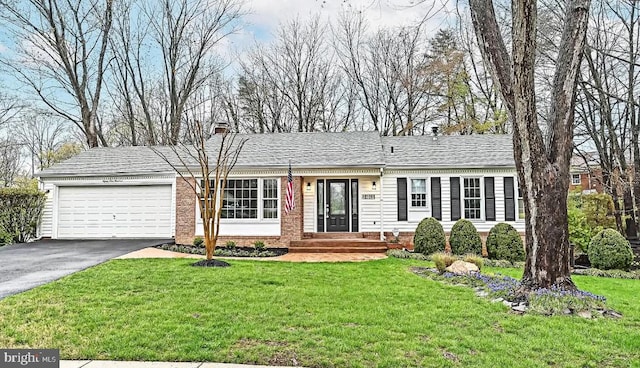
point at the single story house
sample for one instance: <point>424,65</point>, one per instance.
<point>347,182</point>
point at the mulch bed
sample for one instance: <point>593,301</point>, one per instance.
<point>222,251</point>
<point>211,263</point>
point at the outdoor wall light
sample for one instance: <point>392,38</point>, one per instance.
<point>373,185</point>
<point>308,187</point>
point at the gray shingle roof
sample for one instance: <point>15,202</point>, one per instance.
<point>455,151</point>
<point>307,150</point>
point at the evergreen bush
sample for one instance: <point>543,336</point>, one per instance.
<point>429,237</point>
<point>610,250</point>
<point>465,238</point>
<point>504,242</point>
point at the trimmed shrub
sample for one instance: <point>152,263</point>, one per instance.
<point>230,244</point>
<point>610,250</point>
<point>505,243</point>
<point>198,241</point>
<point>20,213</point>
<point>465,238</point>
<point>443,260</point>
<point>259,245</point>
<point>429,237</point>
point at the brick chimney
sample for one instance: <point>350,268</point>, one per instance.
<point>221,128</point>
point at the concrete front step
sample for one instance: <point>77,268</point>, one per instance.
<point>335,243</point>
<point>337,246</point>
<point>381,249</point>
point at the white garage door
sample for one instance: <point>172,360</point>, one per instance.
<point>114,211</point>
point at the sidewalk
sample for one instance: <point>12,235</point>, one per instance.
<point>118,364</point>
<point>289,257</point>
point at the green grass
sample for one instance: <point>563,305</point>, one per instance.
<point>371,314</point>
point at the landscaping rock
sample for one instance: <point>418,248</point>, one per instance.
<point>612,314</point>
<point>521,308</point>
<point>462,268</point>
<point>507,303</point>
<point>482,294</point>
<point>497,300</point>
<point>585,314</point>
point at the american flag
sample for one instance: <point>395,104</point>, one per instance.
<point>290,202</point>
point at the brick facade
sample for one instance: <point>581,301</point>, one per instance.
<point>185,211</point>
<point>291,224</point>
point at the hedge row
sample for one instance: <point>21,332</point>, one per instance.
<point>503,242</point>
<point>20,214</point>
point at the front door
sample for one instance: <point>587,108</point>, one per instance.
<point>338,205</point>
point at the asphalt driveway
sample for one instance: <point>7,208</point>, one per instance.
<point>25,266</point>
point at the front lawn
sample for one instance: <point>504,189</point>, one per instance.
<point>371,314</point>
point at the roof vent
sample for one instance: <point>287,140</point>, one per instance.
<point>434,130</point>
<point>391,149</point>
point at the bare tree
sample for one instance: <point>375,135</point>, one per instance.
<point>607,104</point>
<point>42,135</point>
<point>11,161</point>
<point>292,85</point>
<point>9,109</point>
<point>542,161</point>
<point>205,166</point>
<point>62,55</point>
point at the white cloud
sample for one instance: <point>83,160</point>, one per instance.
<point>3,48</point>
<point>266,15</point>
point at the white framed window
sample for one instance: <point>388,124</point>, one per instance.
<point>248,198</point>
<point>419,193</point>
<point>240,199</point>
<point>472,198</point>
<point>520,205</point>
<point>270,198</point>
<point>575,179</point>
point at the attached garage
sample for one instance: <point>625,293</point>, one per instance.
<point>114,211</point>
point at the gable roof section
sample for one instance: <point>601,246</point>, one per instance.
<point>449,151</point>
<point>111,161</point>
<point>306,150</point>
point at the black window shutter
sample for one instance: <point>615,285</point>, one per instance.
<point>436,199</point>
<point>455,198</point>
<point>402,199</point>
<point>509,201</point>
<point>489,199</point>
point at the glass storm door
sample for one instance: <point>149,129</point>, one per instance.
<point>337,205</point>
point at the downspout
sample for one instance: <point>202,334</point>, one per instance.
<point>381,205</point>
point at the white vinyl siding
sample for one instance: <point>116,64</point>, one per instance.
<point>46,224</point>
<point>390,201</point>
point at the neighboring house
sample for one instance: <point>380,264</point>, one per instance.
<point>351,182</point>
<point>585,176</point>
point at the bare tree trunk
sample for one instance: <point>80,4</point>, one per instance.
<point>543,165</point>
